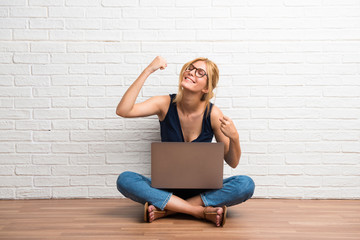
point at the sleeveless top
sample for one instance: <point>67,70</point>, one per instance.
<point>170,127</point>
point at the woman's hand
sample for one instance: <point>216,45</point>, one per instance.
<point>228,128</point>
<point>158,62</point>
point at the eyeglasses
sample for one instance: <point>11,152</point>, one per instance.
<point>199,72</point>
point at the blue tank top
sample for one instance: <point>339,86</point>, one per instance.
<point>170,127</point>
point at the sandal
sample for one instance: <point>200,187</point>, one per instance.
<point>146,212</point>
<point>215,213</point>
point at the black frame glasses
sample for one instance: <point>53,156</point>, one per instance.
<point>197,73</point>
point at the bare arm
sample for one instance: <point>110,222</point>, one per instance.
<point>225,131</point>
<point>127,106</point>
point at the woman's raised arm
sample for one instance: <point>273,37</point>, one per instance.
<point>127,106</point>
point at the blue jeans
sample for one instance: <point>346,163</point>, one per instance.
<point>235,190</point>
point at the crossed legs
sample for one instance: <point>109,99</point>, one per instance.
<point>236,189</point>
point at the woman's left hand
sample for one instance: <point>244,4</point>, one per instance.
<point>228,128</point>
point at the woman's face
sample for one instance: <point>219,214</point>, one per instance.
<point>195,77</point>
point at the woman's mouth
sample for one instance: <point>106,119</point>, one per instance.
<point>189,79</point>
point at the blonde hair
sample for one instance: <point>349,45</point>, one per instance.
<point>212,81</point>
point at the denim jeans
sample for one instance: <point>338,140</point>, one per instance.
<point>235,190</point>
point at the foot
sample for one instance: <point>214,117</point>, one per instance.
<point>155,213</point>
<point>215,215</point>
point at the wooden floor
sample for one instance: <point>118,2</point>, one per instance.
<point>122,219</point>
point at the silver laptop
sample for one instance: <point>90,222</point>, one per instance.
<point>195,165</point>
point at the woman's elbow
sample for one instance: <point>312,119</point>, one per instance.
<point>234,165</point>
<point>121,113</point>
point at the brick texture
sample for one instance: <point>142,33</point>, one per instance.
<point>289,78</point>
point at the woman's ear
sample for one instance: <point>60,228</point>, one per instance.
<point>205,90</point>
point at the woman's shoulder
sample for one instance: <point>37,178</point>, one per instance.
<point>215,111</point>
<point>163,103</point>
<point>215,115</point>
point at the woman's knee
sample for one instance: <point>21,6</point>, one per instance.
<point>124,180</point>
<point>246,186</point>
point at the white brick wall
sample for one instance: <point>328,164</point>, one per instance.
<point>290,80</point>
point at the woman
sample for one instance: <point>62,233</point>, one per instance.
<point>186,117</point>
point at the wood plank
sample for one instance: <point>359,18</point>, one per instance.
<point>122,219</point>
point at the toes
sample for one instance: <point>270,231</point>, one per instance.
<point>218,220</point>
<point>154,214</point>
<point>151,208</point>
<point>151,213</point>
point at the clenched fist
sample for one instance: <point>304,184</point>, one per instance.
<point>158,62</point>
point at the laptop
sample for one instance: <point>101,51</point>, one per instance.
<point>195,165</point>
